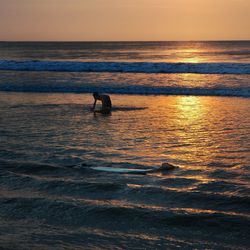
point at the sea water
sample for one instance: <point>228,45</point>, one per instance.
<point>185,103</point>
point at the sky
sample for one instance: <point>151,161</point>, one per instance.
<point>124,20</point>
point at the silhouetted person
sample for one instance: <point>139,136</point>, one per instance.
<point>106,103</point>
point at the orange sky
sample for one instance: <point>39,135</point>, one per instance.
<point>121,20</point>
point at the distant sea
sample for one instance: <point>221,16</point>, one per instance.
<point>189,68</point>
<point>185,103</point>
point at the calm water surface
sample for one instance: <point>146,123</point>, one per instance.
<point>51,198</point>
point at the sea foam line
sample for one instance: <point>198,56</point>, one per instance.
<point>127,67</point>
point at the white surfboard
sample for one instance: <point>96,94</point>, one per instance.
<point>124,170</point>
<point>164,167</point>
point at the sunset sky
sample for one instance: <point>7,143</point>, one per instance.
<point>122,20</point>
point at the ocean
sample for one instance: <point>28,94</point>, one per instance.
<point>184,103</point>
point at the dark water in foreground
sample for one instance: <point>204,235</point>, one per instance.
<point>51,198</point>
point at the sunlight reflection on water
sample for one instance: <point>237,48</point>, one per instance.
<point>149,130</point>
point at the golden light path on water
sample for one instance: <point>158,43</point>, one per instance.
<point>198,130</point>
<point>190,53</point>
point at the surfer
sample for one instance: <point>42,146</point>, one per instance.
<point>106,103</point>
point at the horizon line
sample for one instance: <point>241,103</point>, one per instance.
<point>120,41</point>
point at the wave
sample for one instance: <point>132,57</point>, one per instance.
<point>127,67</point>
<point>125,89</point>
<point>82,212</point>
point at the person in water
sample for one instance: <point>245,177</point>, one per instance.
<point>106,103</point>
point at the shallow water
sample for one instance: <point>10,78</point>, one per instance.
<point>51,198</point>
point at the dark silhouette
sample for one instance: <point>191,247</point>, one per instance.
<point>106,103</point>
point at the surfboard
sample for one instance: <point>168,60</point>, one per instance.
<point>124,170</point>
<point>164,167</point>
